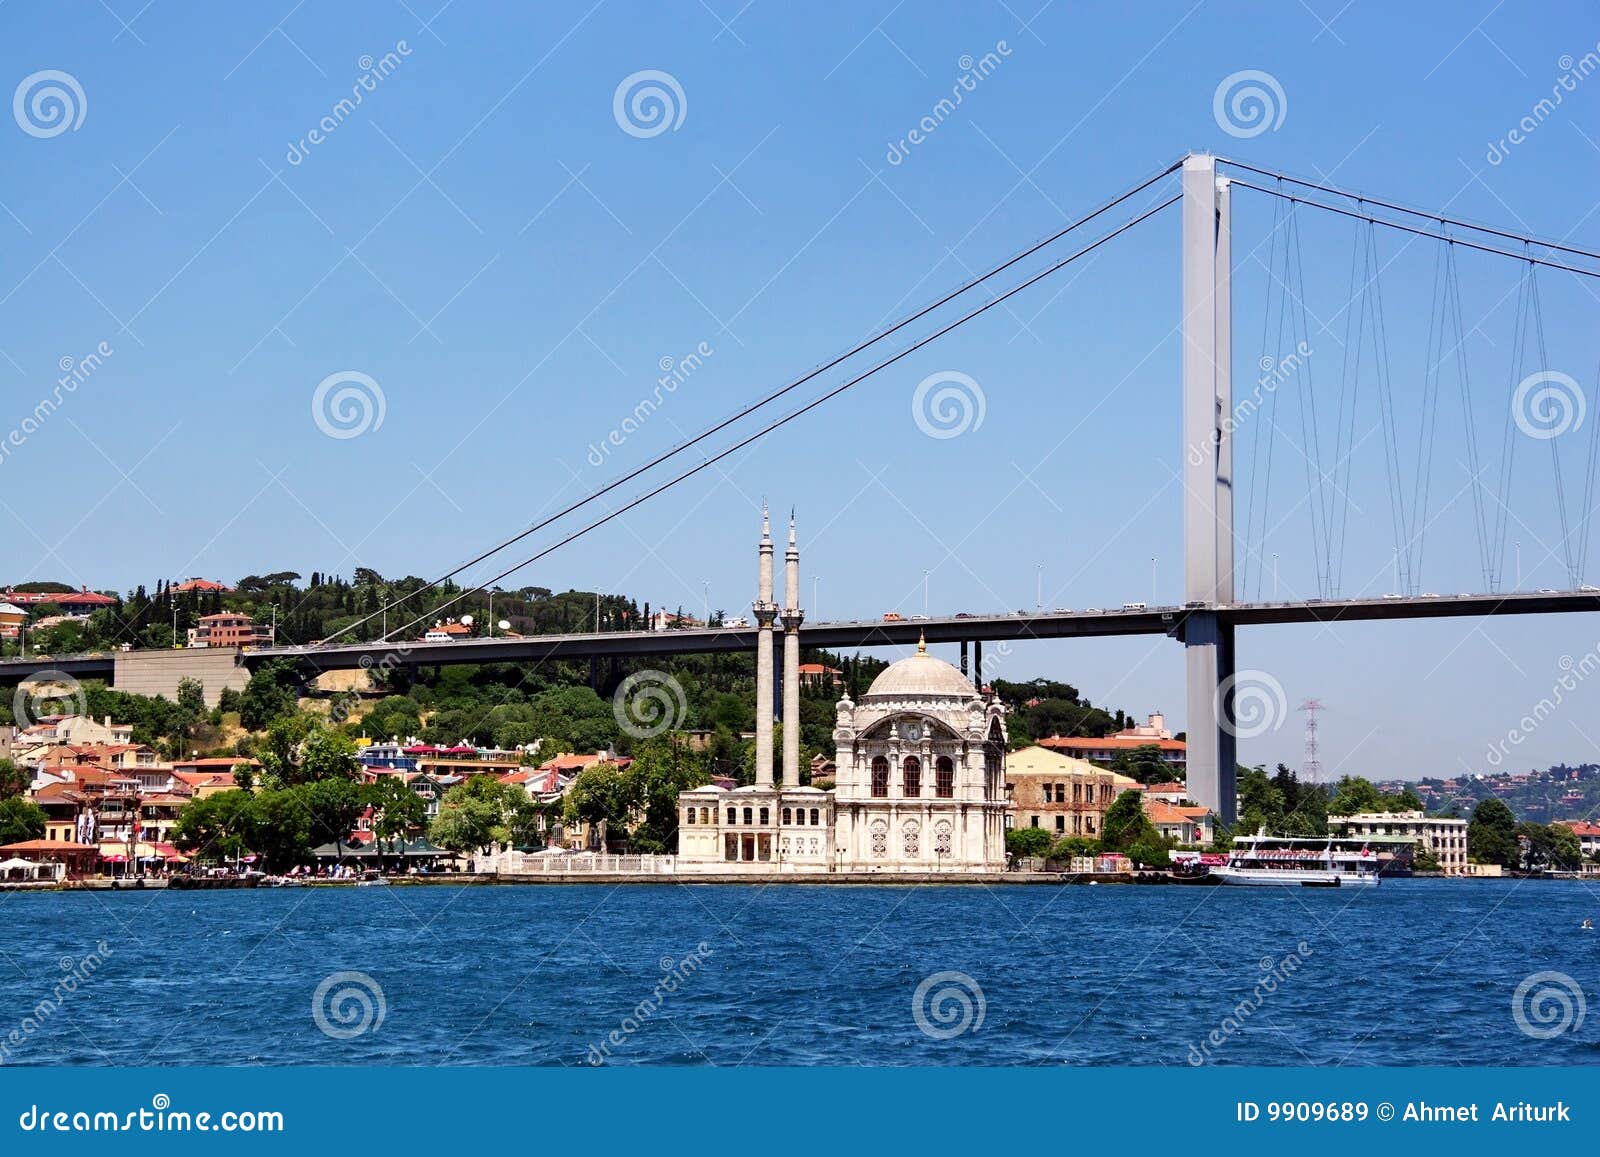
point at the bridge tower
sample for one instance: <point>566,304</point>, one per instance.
<point>1208,485</point>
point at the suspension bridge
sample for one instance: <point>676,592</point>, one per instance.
<point>1224,557</point>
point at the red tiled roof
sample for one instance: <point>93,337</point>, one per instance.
<point>1581,827</point>
<point>200,584</point>
<point>1110,743</point>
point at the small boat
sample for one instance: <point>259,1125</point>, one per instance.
<point>1264,861</point>
<point>372,880</point>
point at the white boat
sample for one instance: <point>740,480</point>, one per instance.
<point>1263,861</point>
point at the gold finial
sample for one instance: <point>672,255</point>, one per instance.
<point>922,644</point>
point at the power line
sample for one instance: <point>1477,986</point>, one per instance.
<point>809,406</point>
<point>774,395</point>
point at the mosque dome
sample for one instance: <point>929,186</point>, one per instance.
<point>921,676</point>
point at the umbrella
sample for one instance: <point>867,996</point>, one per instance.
<point>115,859</point>
<point>16,862</point>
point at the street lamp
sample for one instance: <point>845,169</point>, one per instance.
<point>1038,594</point>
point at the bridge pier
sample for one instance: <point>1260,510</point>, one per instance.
<point>1208,485</point>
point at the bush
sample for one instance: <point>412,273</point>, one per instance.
<point>1025,842</point>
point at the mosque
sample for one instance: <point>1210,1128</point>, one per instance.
<point>920,785</point>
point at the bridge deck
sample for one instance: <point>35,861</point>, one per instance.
<point>871,633</point>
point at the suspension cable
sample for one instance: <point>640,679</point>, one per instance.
<point>809,406</point>
<point>1399,208</point>
<point>766,400</point>
<point>1578,269</point>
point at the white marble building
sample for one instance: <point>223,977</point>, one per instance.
<point>921,771</point>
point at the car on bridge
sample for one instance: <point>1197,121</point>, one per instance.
<point>894,617</point>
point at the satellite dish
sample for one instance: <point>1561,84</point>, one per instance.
<point>504,624</point>
<point>466,620</point>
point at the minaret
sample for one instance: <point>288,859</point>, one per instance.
<point>765,611</point>
<point>792,617</point>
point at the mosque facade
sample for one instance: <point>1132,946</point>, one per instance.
<point>920,785</point>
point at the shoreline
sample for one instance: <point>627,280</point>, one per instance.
<point>842,879</point>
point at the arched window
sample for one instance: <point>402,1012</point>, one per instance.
<point>733,816</point>
<point>944,777</point>
<point>880,778</point>
<point>786,816</point>
<point>705,815</point>
<point>747,818</point>
<point>764,814</point>
<point>799,815</point>
<point>813,817</point>
<point>911,783</point>
<point>688,815</point>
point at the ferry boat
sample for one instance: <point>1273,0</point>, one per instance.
<point>1265,861</point>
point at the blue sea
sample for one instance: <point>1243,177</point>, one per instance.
<point>1416,972</point>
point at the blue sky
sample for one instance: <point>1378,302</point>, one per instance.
<point>483,240</point>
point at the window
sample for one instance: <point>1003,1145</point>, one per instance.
<point>880,778</point>
<point>1089,823</point>
<point>814,817</point>
<point>688,815</point>
<point>730,848</point>
<point>911,783</point>
<point>787,816</point>
<point>733,817</point>
<point>705,815</point>
<point>747,815</point>
<point>1033,821</point>
<point>1061,824</point>
<point>944,777</point>
<point>764,817</point>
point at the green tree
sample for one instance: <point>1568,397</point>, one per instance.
<point>279,828</point>
<point>660,770</point>
<point>334,805</point>
<point>1024,843</point>
<point>473,815</point>
<point>328,755</point>
<point>603,793</point>
<point>13,779</point>
<point>397,809</point>
<point>1492,834</point>
<point>1126,824</point>
<point>271,692</point>
<point>214,827</point>
<point>20,819</point>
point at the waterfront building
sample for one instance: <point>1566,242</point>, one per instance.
<point>11,619</point>
<point>1588,836</point>
<point>1152,733</point>
<point>1445,838</point>
<point>73,602</point>
<point>919,775</point>
<point>1062,795</point>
